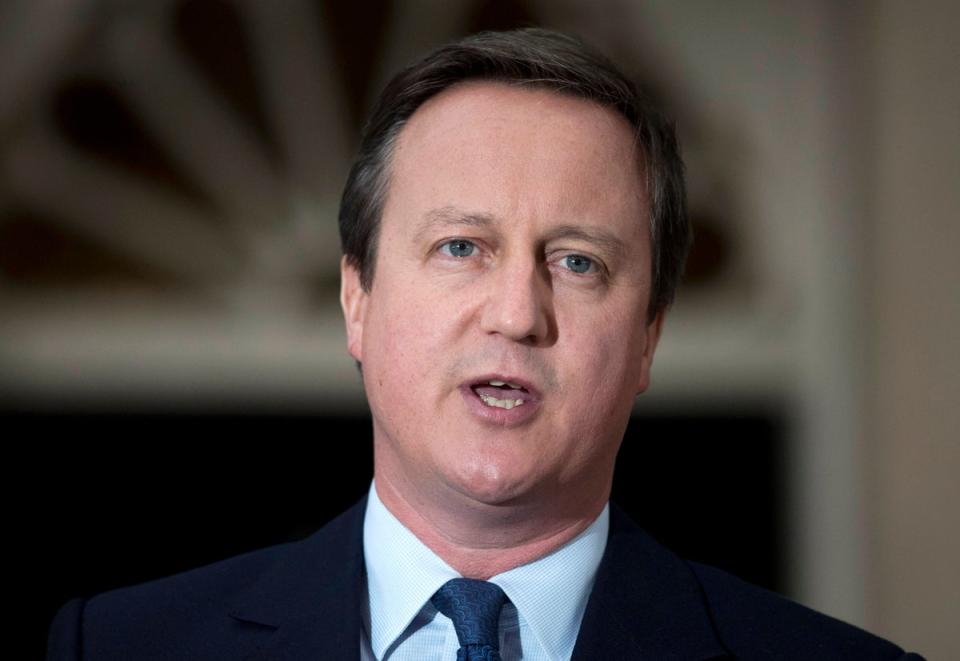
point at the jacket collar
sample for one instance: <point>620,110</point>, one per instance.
<point>646,602</point>
<point>307,605</point>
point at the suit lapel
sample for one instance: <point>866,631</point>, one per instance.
<point>308,605</point>
<point>646,603</point>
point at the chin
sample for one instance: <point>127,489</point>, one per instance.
<point>492,482</point>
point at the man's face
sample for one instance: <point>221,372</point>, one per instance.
<point>505,335</point>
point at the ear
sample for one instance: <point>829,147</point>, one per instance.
<point>353,300</point>
<point>650,345</point>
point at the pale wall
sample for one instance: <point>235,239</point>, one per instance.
<point>914,394</point>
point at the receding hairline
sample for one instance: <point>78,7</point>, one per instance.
<point>638,157</point>
<point>546,88</point>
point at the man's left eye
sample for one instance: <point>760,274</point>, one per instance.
<point>458,248</point>
<point>578,263</point>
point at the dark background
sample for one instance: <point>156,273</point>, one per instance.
<point>106,500</point>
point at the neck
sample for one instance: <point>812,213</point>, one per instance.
<point>480,540</point>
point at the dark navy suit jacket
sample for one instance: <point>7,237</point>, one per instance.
<point>302,601</point>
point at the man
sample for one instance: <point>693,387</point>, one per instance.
<point>514,229</point>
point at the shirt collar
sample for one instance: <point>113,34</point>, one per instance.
<point>402,574</point>
<point>550,593</point>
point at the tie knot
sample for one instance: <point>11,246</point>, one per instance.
<point>474,607</point>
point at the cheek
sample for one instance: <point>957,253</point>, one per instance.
<point>598,402</point>
<point>606,362</point>
<point>406,335</point>
<point>398,357</point>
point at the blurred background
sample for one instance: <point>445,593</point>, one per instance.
<point>173,375</point>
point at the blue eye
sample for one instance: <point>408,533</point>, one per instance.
<point>458,248</point>
<point>578,263</point>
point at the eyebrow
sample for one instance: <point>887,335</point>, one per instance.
<point>450,216</point>
<point>607,242</point>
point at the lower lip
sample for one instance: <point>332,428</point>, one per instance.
<point>496,415</point>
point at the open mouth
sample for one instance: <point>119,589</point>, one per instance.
<point>501,394</point>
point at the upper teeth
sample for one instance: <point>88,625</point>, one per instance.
<point>501,403</point>
<point>494,382</point>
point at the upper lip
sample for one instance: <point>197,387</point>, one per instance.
<point>526,384</point>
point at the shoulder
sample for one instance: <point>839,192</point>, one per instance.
<point>682,609</point>
<point>754,623</point>
<point>162,618</point>
<point>212,587</point>
<point>205,612</point>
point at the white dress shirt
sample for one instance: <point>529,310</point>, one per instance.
<point>540,622</point>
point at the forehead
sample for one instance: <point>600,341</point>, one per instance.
<point>508,149</point>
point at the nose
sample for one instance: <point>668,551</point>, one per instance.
<point>518,304</point>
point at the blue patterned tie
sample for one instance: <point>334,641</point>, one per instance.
<point>474,606</point>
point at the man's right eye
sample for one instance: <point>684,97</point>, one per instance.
<point>458,248</point>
